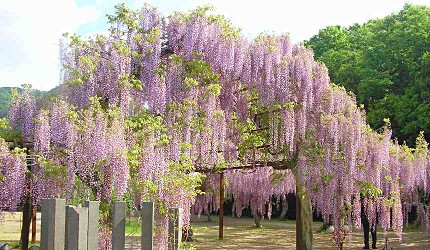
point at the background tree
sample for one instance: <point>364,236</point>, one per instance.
<point>385,63</point>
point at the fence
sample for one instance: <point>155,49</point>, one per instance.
<point>76,228</point>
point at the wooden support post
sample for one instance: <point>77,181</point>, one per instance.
<point>221,206</point>
<point>26,221</point>
<point>33,225</point>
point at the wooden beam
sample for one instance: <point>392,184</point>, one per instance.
<point>278,165</point>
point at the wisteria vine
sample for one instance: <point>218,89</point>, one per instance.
<point>158,99</point>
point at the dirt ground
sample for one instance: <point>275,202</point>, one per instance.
<point>10,228</point>
<point>240,233</point>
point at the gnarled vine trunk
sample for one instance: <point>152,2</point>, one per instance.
<point>304,236</point>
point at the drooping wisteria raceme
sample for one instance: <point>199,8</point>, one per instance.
<point>243,185</point>
<point>88,145</point>
<point>98,153</point>
<point>22,111</point>
<point>208,201</point>
<point>13,167</point>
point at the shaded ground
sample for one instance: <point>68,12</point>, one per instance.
<point>240,233</point>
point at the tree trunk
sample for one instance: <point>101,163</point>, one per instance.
<point>327,224</point>
<point>257,218</point>
<point>188,234</point>
<point>284,204</point>
<point>208,215</point>
<point>304,235</point>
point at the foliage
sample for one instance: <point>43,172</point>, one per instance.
<point>385,63</point>
<point>6,94</point>
<point>5,97</point>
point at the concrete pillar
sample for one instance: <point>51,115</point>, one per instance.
<point>77,228</point>
<point>53,226</point>
<point>118,226</point>
<point>93,224</point>
<point>147,225</point>
<point>175,228</point>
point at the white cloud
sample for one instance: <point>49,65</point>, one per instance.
<point>29,35</point>
<point>302,19</point>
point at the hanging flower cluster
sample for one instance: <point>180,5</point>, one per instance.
<point>13,167</point>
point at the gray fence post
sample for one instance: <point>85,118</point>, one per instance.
<point>53,224</point>
<point>147,226</point>
<point>93,224</point>
<point>77,228</point>
<point>118,226</point>
<point>175,228</point>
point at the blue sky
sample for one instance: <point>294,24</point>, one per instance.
<point>30,30</point>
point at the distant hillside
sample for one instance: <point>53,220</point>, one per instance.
<point>6,96</point>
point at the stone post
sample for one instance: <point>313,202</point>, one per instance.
<point>118,226</point>
<point>175,228</point>
<point>93,224</point>
<point>53,224</point>
<point>77,228</point>
<point>147,226</point>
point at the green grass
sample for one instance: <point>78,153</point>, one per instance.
<point>133,226</point>
<point>16,245</point>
